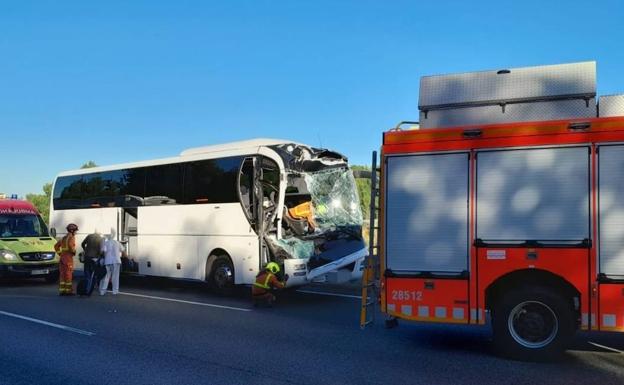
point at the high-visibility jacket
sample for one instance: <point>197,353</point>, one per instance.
<point>66,246</point>
<point>266,280</point>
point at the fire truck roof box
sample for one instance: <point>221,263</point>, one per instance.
<point>611,105</point>
<point>509,95</point>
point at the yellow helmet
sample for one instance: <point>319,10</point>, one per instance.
<point>273,267</point>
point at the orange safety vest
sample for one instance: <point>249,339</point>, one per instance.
<point>64,246</point>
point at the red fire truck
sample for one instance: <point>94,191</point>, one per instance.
<point>506,206</point>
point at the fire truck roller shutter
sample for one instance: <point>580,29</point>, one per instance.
<point>533,194</point>
<point>611,207</point>
<point>427,213</point>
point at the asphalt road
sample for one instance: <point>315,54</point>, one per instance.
<point>169,332</point>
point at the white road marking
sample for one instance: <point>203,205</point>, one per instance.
<point>182,301</point>
<point>606,347</point>
<point>330,294</point>
<point>58,326</point>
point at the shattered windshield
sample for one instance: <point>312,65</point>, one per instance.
<point>334,197</point>
<point>321,219</point>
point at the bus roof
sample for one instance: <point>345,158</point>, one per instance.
<point>15,206</point>
<point>227,149</point>
<point>240,145</point>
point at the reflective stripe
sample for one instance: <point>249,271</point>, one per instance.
<point>266,282</point>
<point>65,244</point>
<point>458,313</point>
<point>609,320</point>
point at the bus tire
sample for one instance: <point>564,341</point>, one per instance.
<point>532,324</point>
<point>52,277</point>
<point>221,274</point>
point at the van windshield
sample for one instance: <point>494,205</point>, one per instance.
<point>22,225</point>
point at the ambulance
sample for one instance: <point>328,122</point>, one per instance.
<point>26,247</point>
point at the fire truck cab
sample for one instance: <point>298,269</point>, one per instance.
<point>506,206</point>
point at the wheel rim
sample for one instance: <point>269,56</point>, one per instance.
<point>223,276</point>
<point>533,324</point>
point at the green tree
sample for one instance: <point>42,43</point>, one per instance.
<point>89,164</point>
<point>42,201</point>
<point>364,190</point>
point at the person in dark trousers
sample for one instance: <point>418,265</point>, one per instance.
<point>266,283</point>
<point>91,247</point>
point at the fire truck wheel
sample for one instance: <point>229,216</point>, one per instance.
<point>532,324</point>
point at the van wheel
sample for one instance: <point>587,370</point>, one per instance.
<point>533,324</point>
<point>222,274</point>
<point>52,277</point>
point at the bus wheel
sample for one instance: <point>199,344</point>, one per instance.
<point>52,277</point>
<point>532,324</point>
<point>222,274</point>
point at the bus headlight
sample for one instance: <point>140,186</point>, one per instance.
<point>8,255</point>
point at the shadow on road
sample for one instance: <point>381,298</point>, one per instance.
<point>292,304</point>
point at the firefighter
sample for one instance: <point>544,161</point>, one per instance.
<point>266,283</point>
<point>66,248</point>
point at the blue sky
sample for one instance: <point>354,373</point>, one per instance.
<point>119,81</point>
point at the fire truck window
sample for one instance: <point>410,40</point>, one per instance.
<point>534,194</point>
<point>427,213</point>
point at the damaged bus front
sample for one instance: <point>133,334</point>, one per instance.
<point>311,217</point>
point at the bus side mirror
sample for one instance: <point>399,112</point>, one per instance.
<point>53,232</point>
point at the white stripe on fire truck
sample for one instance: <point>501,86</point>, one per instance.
<point>473,314</point>
<point>423,311</point>
<point>406,309</point>
<point>391,307</point>
<point>458,313</point>
<point>584,319</point>
<point>608,320</point>
<point>440,312</point>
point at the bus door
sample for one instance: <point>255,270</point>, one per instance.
<point>610,264</point>
<point>258,188</point>
<point>127,230</point>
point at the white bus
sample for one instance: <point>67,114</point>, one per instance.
<point>220,213</point>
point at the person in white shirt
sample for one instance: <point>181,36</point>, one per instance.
<point>112,250</point>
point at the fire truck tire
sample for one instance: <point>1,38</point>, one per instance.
<point>532,324</point>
